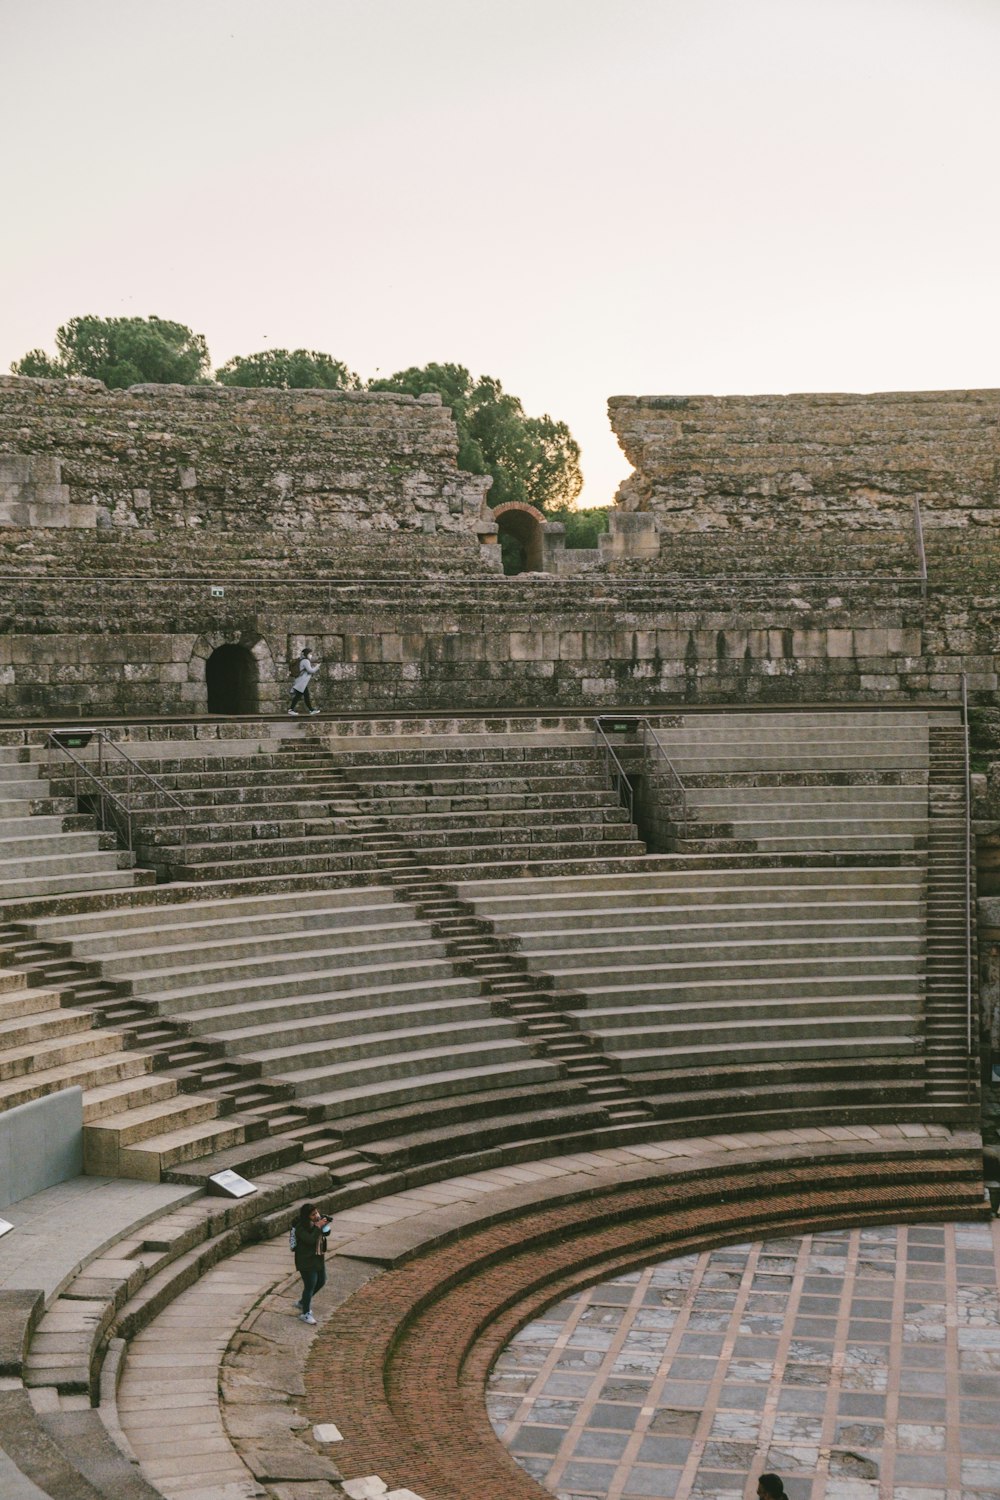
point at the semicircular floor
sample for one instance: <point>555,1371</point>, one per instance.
<point>857,1364</point>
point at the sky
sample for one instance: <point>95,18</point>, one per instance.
<point>582,198</point>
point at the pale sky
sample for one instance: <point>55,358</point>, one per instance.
<point>581,197</point>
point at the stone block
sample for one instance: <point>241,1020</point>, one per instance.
<point>871,642</point>
<point>840,643</point>
<point>526,645</point>
<point>809,643</point>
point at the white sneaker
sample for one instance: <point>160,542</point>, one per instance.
<point>294,712</point>
<point>306,1318</point>
<point>314,710</point>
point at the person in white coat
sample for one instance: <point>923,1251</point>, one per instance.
<point>300,687</point>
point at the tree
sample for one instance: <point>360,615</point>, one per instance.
<point>123,352</point>
<point>532,459</point>
<point>583,527</point>
<point>281,369</point>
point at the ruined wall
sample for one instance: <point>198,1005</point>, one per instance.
<point>142,530</point>
<point>212,459</point>
<point>757,482</point>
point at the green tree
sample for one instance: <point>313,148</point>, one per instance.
<point>123,352</point>
<point>532,459</point>
<point>288,370</point>
<point>583,527</point>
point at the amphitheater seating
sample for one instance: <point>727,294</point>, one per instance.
<point>706,982</point>
<point>47,845</point>
<point>292,808</point>
<point>487,960</point>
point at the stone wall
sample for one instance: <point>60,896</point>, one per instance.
<point>811,465</point>
<point>109,646</point>
<point>212,459</point>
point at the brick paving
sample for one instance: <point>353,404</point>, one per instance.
<point>858,1364</point>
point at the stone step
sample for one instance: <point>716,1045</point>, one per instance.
<point>446,1083</point>
<point>387,1054</point>
<point>276,953</point>
<point>195,910</point>
<point>91,1074</point>
<point>637,1060</point>
<point>42,1026</point>
<point>312,1019</point>
<point>150,1160</point>
<point>292,979</point>
<point>844,952</point>
<point>749,920</point>
<point>683,882</point>
<point>125,1094</point>
<point>857,1013</point>
<point>143,1122</point>
<point>269,1005</point>
<point>833,840</point>
<point>37,1057</point>
<point>668,986</point>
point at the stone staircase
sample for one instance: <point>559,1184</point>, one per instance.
<point>952,1041</point>
<point>47,846</point>
<point>295,807</point>
<point>137,1123</point>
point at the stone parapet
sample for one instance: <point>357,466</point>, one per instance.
<point>213,458</point>
<point>813,464</point>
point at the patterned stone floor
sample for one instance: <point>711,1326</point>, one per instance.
<point>858,1365</point>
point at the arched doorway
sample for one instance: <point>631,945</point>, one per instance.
<point>233,681</point>
<point>519,527</point>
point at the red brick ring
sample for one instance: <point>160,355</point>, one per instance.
<point>402,1366</point>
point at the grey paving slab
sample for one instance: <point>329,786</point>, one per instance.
<point>895,1392</point>
<point>57,1231</point>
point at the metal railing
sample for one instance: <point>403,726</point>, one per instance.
<point>114,808</point>
<point>649,734</point>
<point>968,885</point>
<point>614,772</point>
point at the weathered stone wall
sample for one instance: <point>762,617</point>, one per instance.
<point>811,464</point>
<point>145,529</point>
<point>109,646</point>
<point>214,459</point>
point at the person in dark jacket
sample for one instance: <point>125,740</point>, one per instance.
<point>770,1487</point>
<point>311,1230</point>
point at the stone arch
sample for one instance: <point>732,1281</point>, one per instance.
<point>233,672</point>
<point>523,526</point>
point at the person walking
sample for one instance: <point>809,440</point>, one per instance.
<point>300,687</point>
<point>311,1230</point>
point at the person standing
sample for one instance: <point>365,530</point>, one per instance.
<point>311,1230</point>
<point>300,687</point>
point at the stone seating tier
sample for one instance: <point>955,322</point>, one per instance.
<point>377,1003</point>
<point>46,846</point>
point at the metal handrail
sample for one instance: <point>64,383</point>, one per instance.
<point>647,728</point>
<point>121,815</point>
<point>968,882</point>
<point>918,527</point>
<point>113,812</point>
<point>614,773</point>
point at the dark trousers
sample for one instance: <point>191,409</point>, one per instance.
<point>302,697</point>
<point>313,1281</point>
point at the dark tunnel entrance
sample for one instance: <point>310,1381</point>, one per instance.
<point>232,680</point>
